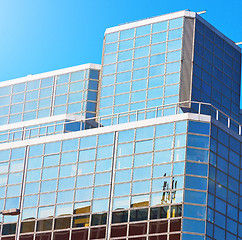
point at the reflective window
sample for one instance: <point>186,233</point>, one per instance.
<point>159,27</point>
<point>127,34</point>
<point>144,30</point>
<point>142,173</point>
<point>112,37</point>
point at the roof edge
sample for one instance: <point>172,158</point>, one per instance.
<point>50,74</point>
<point>183,13</point>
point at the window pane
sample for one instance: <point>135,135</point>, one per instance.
<point>127,34</point>
<point>111,37</point>
<point>144,30</point>
<point>159,27</point>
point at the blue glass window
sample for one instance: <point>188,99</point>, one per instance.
<point>109,69</point>
<point>121,99</point>
<point>157,70</point>
<point>144,30</point>
<point>174,45</point>
<point>186,236</point>
<point>107,91</point>
<point>76,76</point>
<point>127,34</point>
<point>197,169</point>
<point>123,77</point>
<point>158,48</point>
<point>142,159</point>
<point>5,90</point>
<point>124,66</point>
<point>110,48</point>
<point>53,147</point>
<point>19,88</point>
<point>84,181</point>
<point>195,197</point>
<point>122,189</point>
<point>163,143</point>
<point>198,141</point>
<point>178,168</point>
<point>144,146</point>
<point>173,67</point>
<point>139,85</point>
<point>123,176</point>
<point>84,168</point>
<point>197,155</point>
<point>194,211</point>
<point>111,58</point>
<point>157,59</point>
<point>108,80</point>
<point>174,34</point>
<point>162,170</point>
<point>142,173</point>
<point>164,129</point>
<point>155,93</point>
<point>162,157</point>
<point>141,52</point>
<point>172,90</point>
<point>141,73</point>
<point>156,81</point>
<point>126,45</point>
<point>144,133</point>
<point>173,56</point>
<point>159,37</point>
<point>140,63</point>
<point>126,55</point>
<point>142,41</point>
<point>138,96</point>
<point>141,187</point>
<point>175,23</point>
<point>126,136</point>
<point>159,27</point>
<point>193,226</point>
<point>125,149</point>
<point>102,178</point>
<point>198,127</point>
<point>111,37</point>
<point>196,183</point>
<point>51,160</point>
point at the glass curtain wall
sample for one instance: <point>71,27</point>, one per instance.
<point>141,67</point>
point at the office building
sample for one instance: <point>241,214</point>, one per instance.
<point>146,145</point>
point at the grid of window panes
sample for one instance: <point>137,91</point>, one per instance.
<point>73,93</point>
<point>195,197</point>
<point>11,176</point>
<point>224,193</point>
<point>216,71</point>
<point>67,184</point>
<point>148,182</point>
<point>141,67</point>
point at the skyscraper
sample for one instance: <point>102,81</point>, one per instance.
<point>145,146</point>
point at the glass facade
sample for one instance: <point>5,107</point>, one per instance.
<point>141,67</point>
<point>71,93</point>
<point>216,71</point>
<point>139,171</point>
<point>71,182</point>
<point>224,186</point>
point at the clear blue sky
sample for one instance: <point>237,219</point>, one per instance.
<point>42,35</point>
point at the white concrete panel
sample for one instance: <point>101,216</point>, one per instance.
<point>151,20</point>
<point>102,130</point>
<point>42,121</point>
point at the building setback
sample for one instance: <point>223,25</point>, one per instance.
<point>145,146</point>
